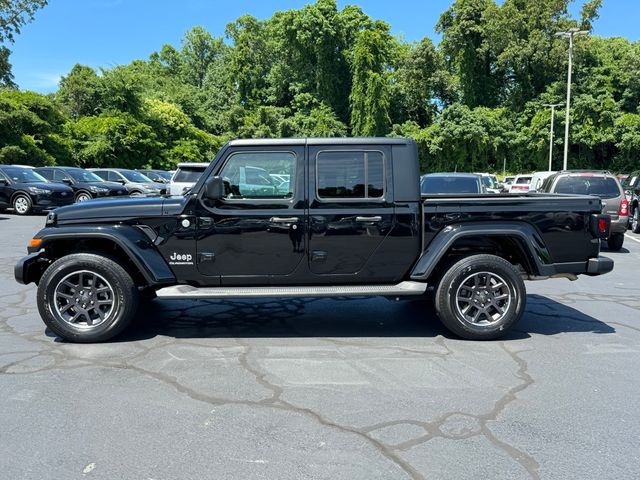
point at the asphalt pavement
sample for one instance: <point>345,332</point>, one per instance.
<point>325,389</point>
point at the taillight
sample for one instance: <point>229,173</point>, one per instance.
<point>624,208</point>
<point>600,225</point>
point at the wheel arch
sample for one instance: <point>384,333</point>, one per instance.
<point>517,242</point>
<point>126,244</point>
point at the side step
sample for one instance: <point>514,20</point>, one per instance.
<point>188,291</point>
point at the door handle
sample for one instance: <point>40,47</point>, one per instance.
<point>374,219</point>
<point>284,219</point>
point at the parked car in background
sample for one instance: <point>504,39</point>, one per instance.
<point>490,183</point>
<point>538,179</point>
<point>507,183</point>
<point>85,185</point>
<point>443,183</point>
<point>158,176</point>
<point>632,192</point>
<point>599,184</point>
<point>186,176</point>
<point>25,191</point>
<point>135,182</point>
<point>520,184</point>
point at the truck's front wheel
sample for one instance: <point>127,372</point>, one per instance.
<point>86,298</point>
<point>480,297</point>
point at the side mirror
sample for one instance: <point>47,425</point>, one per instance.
<point>120,181</point>
<point>627,193</point>
<point>67,181</point>
<point>3,181</point>
<point>214,188</point>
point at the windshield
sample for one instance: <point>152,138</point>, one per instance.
<point>80,175</point>
<point>162,173</point>
<point>188,174</point>
<point>134,176</point>
<point>489,182</point>
<point>440,184</point>
<point>24,175</point>
<point>603,187</point>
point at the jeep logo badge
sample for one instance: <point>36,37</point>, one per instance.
<point>181,259</point>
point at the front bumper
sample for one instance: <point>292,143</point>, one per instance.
<point>50,201</point>
<point>599,266</point>
<point>30,268</point>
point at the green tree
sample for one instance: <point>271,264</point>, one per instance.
<point>79,92</point>
<point>30,129</point>
<point>370,92</point>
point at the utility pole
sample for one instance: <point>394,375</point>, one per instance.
<point>553,115</point>
<point>572,32</point>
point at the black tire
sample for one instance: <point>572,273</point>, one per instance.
<point>491,322</point>
<point>22,204</point>
<point>83,196</point>
<point>635,220</point>
<point>615,241</point>
<point>105,271</point>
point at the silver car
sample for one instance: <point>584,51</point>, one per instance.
<point>135,182</point>
<point>599,184</point>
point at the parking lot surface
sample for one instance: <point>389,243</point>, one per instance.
<point>325,389</point>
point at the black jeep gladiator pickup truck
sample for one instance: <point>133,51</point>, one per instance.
<point>304,218</point>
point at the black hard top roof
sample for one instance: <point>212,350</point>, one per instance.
<point>320,141</point>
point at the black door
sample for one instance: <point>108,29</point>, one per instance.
<point>255,234</point>
<point>351,215</point>
<point>5,191</point>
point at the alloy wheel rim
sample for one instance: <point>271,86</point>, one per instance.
<point>84,299</point>
<point>21,205</point>
<point>83,197</point>
<point>483,299</point>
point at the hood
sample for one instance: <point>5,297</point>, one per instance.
<point>54,187</point>
<point>110,209</point>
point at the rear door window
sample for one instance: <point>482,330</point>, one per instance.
<point>350,174</point>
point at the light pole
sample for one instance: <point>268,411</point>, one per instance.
<point>572,32</point>
<point>553,115</point>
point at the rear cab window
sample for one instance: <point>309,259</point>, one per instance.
<point>453,184</point>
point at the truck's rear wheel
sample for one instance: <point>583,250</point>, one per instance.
<point>86,298</point>
<point>480,297</point>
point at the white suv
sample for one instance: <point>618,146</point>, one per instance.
<point>185,177</point>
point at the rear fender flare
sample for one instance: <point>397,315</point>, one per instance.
<point>527,235</point>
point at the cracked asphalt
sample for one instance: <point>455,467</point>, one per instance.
<point>325,389</point>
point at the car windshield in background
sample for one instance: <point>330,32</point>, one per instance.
<point>488,182</point>
<point>24,175</point>
<point>83,176</point>
<point>604,187</point>
<point>134,176</point>
<point>188,175</point>
<point>523,181</point>
<point>165,175</point>
<point>431,185</point>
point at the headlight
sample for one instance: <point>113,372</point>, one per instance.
<point>39,191</point>
<point>95,189</point>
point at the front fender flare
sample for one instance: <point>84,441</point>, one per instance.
<point>133,241</point>
<point>526,234</point>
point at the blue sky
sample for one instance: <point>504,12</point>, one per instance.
<point>105,33</point>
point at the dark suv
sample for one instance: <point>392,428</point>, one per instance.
<point>26,191</point>
<point>599,184</point>
<point>85,185</point>
<point>632,192</point>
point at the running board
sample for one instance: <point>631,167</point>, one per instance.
<point>188,291</point>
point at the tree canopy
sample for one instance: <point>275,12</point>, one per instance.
<point>471,101</point>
